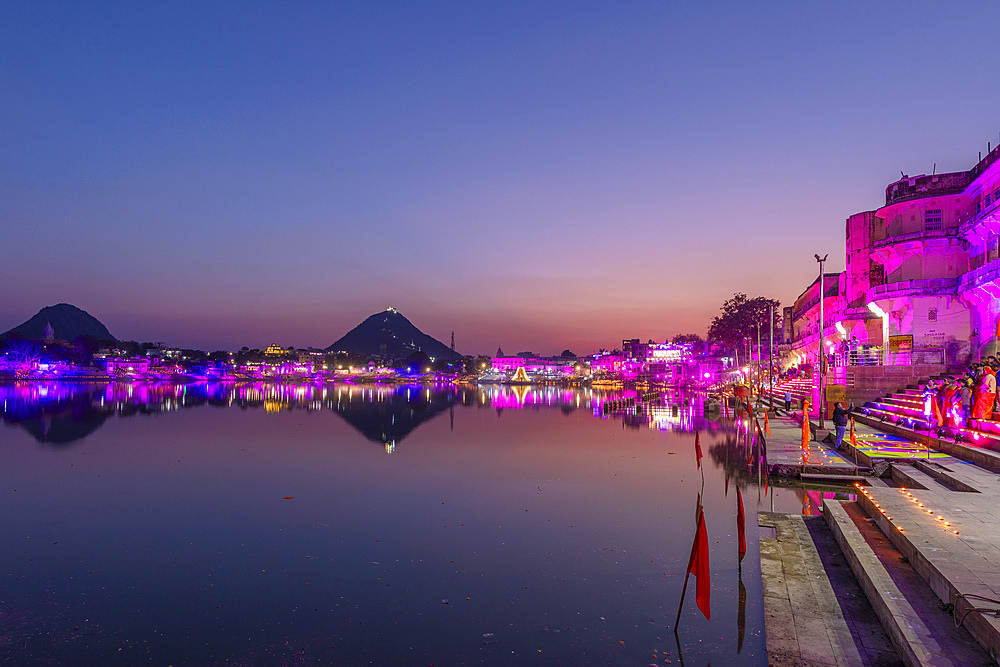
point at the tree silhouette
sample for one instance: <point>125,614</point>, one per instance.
<point>740,317</point>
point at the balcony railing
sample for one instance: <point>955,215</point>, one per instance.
<point>987,273</point>
<point>915,236</point>
<point>969,220</point>
<point>876,356</point>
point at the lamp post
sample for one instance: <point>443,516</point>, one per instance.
<point>822,351</point>
<point>759,381</point>
<point>770,357</point>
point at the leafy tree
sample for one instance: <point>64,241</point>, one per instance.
<point>740,317</point>
<point>130,348</point>
<point>567,353</point>
<point>417,362</point>
<point>680,339</point>
<point>22,353</point>
<point>84,347</point>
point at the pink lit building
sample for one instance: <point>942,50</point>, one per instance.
<point>533,367</point>
<point>115,366</point>
<point>921,287</point>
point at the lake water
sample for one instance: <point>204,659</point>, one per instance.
<point>280,524</point>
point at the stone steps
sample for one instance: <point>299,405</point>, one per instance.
<point>909,611</point>
<point>956,556</point>
<point>914,478</point>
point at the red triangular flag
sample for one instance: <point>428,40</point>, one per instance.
<point>767,426</point>
<point>697,447</point>
<point>806,434</point>
<point>699,567</point>
<point>741,523</point>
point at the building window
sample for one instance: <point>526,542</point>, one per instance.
<point>933,219</point>
<point>932,315</point>
<point>986,199</point>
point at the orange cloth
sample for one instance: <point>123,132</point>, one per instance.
<point>936,413</point>
<point>984,406</point>
<point>806,435</point>
<point>948,405</point>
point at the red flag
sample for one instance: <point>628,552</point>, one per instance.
<point>741,523</point>
<point>727,483</point>
<point>699,567</point>
<point>854,438</point>
<point>697,447</point>
<point>806,434</point>
<point>767,426</point>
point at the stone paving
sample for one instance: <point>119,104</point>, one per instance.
<point>785,453</point>
<point>815,613</point>
<point>941,513</point>
<point>951,538</point>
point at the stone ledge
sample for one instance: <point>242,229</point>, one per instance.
<point>900,621</point>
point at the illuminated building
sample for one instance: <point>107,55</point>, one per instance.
<point>532,367</point>
<point>921,287</point>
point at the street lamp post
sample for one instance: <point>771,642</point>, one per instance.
<point>770,357</point>
<point>760,382</point>
<point>822,351</point>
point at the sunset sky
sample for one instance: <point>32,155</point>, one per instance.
<point>538,175</point>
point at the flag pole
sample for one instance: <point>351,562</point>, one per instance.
<point>683,593</point>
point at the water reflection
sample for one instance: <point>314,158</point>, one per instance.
<point>533,526</point>
<point>63,412</point>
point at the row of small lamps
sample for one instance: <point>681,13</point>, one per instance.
<point>909,495</point>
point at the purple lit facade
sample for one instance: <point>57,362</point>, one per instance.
<point>921,289</point>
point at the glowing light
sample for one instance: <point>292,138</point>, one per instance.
<point>875,309</point>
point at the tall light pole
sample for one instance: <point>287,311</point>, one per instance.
<point>760,382</point>
<point>822,351</point>
<point>770,357</point>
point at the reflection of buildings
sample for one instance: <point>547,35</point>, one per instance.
<point>533,369</point>
<point>65,411</point>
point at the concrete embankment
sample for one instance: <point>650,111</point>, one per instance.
<point>909,573</point>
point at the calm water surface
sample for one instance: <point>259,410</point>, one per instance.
<point>270,524</point>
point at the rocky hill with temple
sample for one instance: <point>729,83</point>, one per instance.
<point>389,334</point>
<point>62,321</point>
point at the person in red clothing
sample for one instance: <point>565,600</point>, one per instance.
<point>987,393</point>
<point>948,393</point>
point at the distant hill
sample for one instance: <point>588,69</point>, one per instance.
<point>396,333</point>
<point>67,322</point>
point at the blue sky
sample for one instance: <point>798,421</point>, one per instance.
<point>536,175</point>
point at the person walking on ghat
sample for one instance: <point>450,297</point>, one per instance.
<point>788,401</point>
<point>840,421</point>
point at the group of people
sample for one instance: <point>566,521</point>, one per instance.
<point>971,396</point>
